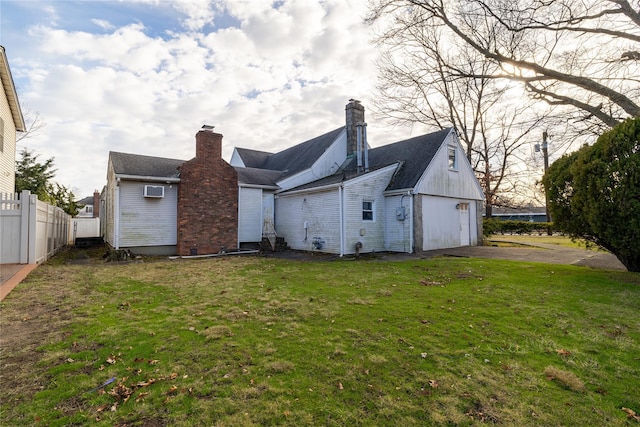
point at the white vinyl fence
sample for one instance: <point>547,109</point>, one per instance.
<point>30,230</point>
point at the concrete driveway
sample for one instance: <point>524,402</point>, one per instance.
<point>539,252</point>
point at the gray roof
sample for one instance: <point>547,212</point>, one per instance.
<point>144,166</point>
<point>292,160</point>
<point>413,155</point>
<point>252,158</point>
<point>253,176</point>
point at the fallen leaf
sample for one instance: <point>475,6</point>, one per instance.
<point>433,384</point>
<point>173,390</point>
<point>138,359</point>
<point>563,352</point>
<point>101,368</point>
<point>173,376</point>
<point>631,414</point>
<point>340,387</point>
<point>153,362</point>
<point>141,396</point>
<point>70,360</point>
<point>111,359</point>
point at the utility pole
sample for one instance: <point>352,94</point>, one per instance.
<point>545,155</point>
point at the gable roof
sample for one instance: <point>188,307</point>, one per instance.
<point>144,166</point>
<point>292,160</point>
<point>414,153</point>
<point>10,90</point>
<point>413,156</point>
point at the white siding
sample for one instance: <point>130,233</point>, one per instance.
<point>398,232</point>
<point>249,215</point>
<point>371,234</point>
<point>146,221</point>
<point>321,212</point>
<point>438,180</point>
<point>8,150</point>
<point>236,160</point>
<point>108,214</point>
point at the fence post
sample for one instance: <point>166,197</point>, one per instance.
<point>24,225</point>
<point>32,201</point>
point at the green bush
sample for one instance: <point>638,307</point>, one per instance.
<point>496,226</point>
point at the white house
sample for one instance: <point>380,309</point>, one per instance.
<point>11,121</point>
<point>332,193</point>
<point>335,194</point>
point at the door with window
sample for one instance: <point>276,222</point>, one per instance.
<point>464,224</point>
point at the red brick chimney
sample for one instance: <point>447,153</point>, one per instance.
<point>207,200</point>
<point>96,204</point>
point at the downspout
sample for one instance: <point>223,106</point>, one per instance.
<point>341,207</point>
<point>116,216</point>
<point>411,247</point>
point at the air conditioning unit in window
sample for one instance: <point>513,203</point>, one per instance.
<point>154,191</point>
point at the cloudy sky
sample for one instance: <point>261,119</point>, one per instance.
<point>142,76</point>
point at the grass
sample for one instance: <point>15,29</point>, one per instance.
<point>259,341</point>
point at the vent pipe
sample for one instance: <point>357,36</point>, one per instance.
<point>359,145</point>
<point>365,147</point>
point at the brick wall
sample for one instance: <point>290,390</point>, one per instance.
<point>207,200</point>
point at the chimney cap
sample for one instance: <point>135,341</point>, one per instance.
<point>208,127</point>
<point>354,100</point>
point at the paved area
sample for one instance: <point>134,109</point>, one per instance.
<point>550,254</point>
<point>11,275</point>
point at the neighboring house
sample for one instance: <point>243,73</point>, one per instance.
<point>11,121</point>
<point>89,206</point>
<point>331,193</point>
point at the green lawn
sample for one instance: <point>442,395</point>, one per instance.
<point>258,341</point>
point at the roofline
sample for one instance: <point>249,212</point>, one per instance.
<point>168,180</point>
<point>311,189</point>
<point>264,187</point>
<point>12,94</point>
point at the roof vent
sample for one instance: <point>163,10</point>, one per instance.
<point>154,191</point>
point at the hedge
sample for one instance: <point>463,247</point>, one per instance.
<point>496,226</point>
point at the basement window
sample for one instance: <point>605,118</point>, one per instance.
<point>367,211</point>
<point>453,159</point>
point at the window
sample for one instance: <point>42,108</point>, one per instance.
<point>453,160</point>
<point>367,211</point>
<point>88,209</point>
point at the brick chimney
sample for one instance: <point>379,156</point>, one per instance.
<point>207,200</point>
<point>354,112</point>
<point>96,204</point>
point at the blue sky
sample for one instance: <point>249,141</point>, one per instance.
<point>142,76</point>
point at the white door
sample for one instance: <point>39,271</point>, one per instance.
<point>464,224</point>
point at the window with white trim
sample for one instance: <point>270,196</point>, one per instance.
<point>453,158</point>
<point>367,210</point>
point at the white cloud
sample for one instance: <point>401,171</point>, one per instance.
<point>282,76</point>
<point>102,23</point>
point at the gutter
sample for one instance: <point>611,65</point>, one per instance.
<point>167,179</point>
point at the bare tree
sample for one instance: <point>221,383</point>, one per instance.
<point>34,124</point>
<point>426,77</point>
<point>582,55</point>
